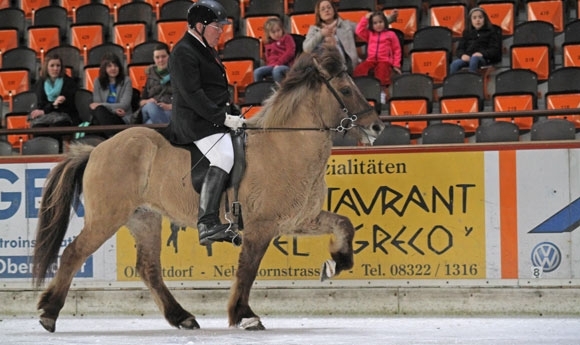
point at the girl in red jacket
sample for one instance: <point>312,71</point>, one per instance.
<point>279,51</point>
<point>383,48</point>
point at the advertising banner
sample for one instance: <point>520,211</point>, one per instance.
<point>452,216</point>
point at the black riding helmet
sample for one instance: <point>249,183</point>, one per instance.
<point>206,12</point>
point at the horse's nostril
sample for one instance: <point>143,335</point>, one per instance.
<point>377,128</point>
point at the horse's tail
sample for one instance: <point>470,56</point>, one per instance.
<point>62,190</point>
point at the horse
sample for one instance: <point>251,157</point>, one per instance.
<point>288,144</point>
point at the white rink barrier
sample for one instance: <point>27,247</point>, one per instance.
<point>469,229</point>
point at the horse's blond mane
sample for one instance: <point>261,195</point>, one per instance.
<point>300,88</point>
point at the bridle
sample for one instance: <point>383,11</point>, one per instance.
<point>345,124</point>
<point>348,122</point>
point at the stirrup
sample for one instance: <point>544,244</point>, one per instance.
<point>228,235</point>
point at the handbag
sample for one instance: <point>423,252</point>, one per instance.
<point>51,119</point>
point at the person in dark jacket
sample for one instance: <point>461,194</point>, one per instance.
<point>55,94</point>
<point>157,95</point>
<point>480,44</point>
<point>200,110</point>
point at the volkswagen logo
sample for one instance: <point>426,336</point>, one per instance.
<point>547,256</point>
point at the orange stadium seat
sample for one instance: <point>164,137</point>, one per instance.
<point>170,31</point>
<point>571,54</point>
<point>571,45</point>
<point>137,74</point>
<point>12,82</point>
<point>42,39</point>
<point>463,93</point>
<point>352,15</point>
<point>86,36</point>
<point>507,103</point>
<point>461,105</point>
<point>412,95</point>
<point>564,92</point>
<point>533,48</point>
<point>114,5</point>
<point>255,26</point>
<point>501,13</point>
<point>431,53</point>
<point>551,11</point>
<point>240,73</point>
<point>17,121</point>
<point>564,101</point>
<point>300,23</point>
<point>433,63</point>
<point>128,35</point>
<point>410,107</point>
<point>71,6</point>
<point>535,58</point>
<point>407,21</point>
<point>450,15</point>
<point>516,90</point>
<point>8,39</point>
<point>90,74</point>
<point>156,5</point>
<point>30,6</point>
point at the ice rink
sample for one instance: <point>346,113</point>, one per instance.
<point>303,331</point>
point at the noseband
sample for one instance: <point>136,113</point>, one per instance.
<point>348,122</point>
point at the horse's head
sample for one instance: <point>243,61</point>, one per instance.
<point>326,97</point>
<point>355,112</point>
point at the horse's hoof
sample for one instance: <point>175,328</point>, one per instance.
<point>328,270</point>
<point>252,324</point>
<point>189,323</point>
<point>48,324</point>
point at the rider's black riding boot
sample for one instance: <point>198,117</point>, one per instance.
<point>208,224</point>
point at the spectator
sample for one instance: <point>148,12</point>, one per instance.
<point>383,49</point>
<point>480,44</point>
<point>157,94</point>
<point>331,29</point>
<point>55,94</point>
<point>112,93</point>
<point>279,51</point>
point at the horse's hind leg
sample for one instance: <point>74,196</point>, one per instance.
<point>75,254</point>
<point>145,226</point>
<point>254,247</point>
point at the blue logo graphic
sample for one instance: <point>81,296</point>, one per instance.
<point>547,256</point>
<point>565,220</point>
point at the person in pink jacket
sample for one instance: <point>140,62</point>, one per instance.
<point>279,50</point>
<point>383,48</point>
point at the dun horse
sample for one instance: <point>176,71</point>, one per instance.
<point>282,192</point>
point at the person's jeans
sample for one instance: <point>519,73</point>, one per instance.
<point>278,73</point>
<point>475,62</point>
<point>152,113</point>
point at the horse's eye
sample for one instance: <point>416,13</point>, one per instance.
<point>345,91</point>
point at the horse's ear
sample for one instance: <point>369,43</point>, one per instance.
<point>319,68</point>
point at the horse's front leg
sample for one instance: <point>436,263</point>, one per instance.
<point>340,245</point>
<point>254,247</point>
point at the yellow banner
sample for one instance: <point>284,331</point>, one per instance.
<point>418,216</point>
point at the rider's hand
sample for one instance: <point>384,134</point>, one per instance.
<point>234,122</point>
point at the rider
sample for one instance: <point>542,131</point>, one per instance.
<point>200,110</point>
